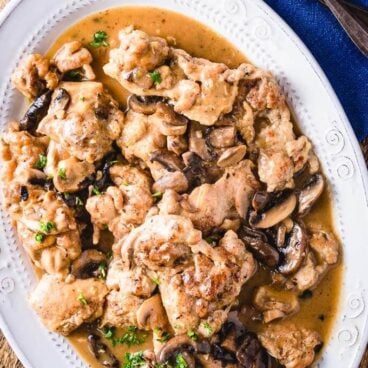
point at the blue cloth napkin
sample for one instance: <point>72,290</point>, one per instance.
<point>344,65</point>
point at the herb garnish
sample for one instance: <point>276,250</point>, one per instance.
<point>192,335</point>
<point>99,39</point>
<point>208,328</point>
<point>75,75</point>
<point>180,362</point>
<point>39,237</point>
<point>102,271</point>
<point>157,195</point>
<point>78,201</point>
<point>155,76</point>
<point>95,190</point>
<point>42,162</point>
<point>134,360</point>
<point>82,299</point>
<point>164,336</point>
<point>130,337</point>
<point>46,227</point>
<point>155,280</point>
<point>62,173</point>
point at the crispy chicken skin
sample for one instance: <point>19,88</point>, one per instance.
<point>293,347</point>
<point>63,306</point>
<point>83,119</point>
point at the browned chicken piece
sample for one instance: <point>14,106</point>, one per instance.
<point>209,205</point>
<point>275,305</point>
<point>63,306</point>
<point>124,205</point>
<point>293,347</point>
<point>48,231</point>
<point>192,274</point>
<point>67,171</point>
<point>72,55</point>
<point>33,75</point>
<point>199,89</point>
<point>129,287</point>
<point>83,119</point>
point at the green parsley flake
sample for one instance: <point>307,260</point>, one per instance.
<point>192,335</point>
<point>165,336</point>
<point>82,299</point>
<point>99,39</point>
<point>42,162</point>
<point>78,201</point>
<point>125,183</point>
<point>102,271</point>
<point>39,237</point>
<point>113,162</point>
<point>46,227</point>
<point>95,190</point>
<point>62,173</point>
<point>157,195</point>
<point>131,337</point>
<point>134,360</point>
<point>73,75</point>
<point>180,362</point>
<point>155,76</point>
<point>108,332</point>
<point>208,328</point>
<point>155,280</point>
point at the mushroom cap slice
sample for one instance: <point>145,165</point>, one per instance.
<point>281,207</point>
<point>175,345</point>
<point>257,243</point>
<point>294,251</point>
<point>146,105</point>
<point>231,156</point>
<point>309,195</point>
<point>151,314</point>
<point>86,265</point>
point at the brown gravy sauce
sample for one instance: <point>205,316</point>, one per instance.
<point>318,312</point>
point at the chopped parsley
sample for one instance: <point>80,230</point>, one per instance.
<point>95,190</point>
<point>109,254</point>
<point>99,39</point>
<point>180,362</point>
<point>42,162</point>
<point>157,195</point>
<point>125,183</point>
<point>102,271</point>
<point>155,280</point>
<point>108,332</point>
<point>134,360</point>
<point>62,173</point>
<point>164,336</point>
<point>208,328</point>
<point>130,337</point>
<point>82,299</point>
<point>210,240</point>
<point>78,201</point>
<point>113,162</point>
<point>155,76</point>
<point>192,335</point>
<point>39,237</point>
<point>46,227</point>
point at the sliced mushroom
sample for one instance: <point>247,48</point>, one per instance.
<point>259,246</point>
<point>151,314</point>
<point>101,352</point>
<point>197,142</point>
<point>88,264</point>
<point>232,156</point>
<point>60,100</point>
<point>177,144</point>
<point>277,209</point>
<point>281,235</point>
<point>169,160</point>
<point>174,346</point>
<point>36,112</point>
<point>310,194</point>
<point>260,199</point>
<point>294,251</point>
<point>171,123</point>
<point>222,137</point>
<point>144,104</point>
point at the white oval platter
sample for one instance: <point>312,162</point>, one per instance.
<point>27,26</point>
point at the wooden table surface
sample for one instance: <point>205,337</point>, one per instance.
<point>9,360</point>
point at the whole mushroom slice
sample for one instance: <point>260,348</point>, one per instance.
<point>151,314</point>
<point>231,156</point>
<point>310,193</point>
<point>171,123</point>
<point>146,105</point>
<point>294,251</point>
<point>257,243</point>
<point>101,352</point>
<point>169,160</point>
<point>276,210</point>
<point>36,112</point>
<point>87,265</point>
<point>175,346</point>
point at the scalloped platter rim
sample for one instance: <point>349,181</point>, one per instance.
<point>269,43</point>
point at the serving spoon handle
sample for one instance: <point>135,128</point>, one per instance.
<point>355,29</point>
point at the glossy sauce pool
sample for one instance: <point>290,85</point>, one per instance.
<point>318,312</point>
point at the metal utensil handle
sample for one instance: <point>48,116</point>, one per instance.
<point>354,29</point>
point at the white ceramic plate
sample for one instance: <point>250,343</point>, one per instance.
<point>27,26</point>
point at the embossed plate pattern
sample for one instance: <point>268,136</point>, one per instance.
<point>31,25</point>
